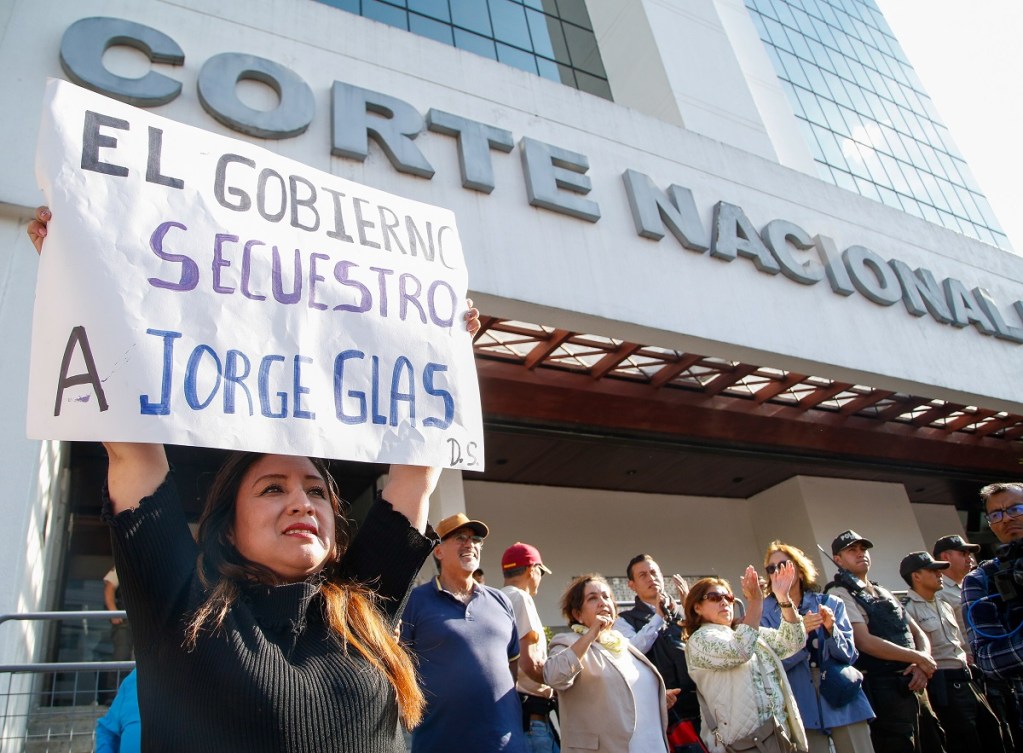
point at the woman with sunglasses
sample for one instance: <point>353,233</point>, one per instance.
<point>737,664</point>
<point>610,697</point>
<point>828,629</point>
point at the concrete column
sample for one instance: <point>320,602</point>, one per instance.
<point>806,511</point>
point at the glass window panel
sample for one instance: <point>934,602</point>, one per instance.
<point>816,80</point>
<point>834,117</point>
<point>842,179</point>
<point>868,189</point>
<point>832,149</point>
<point>352,6</point>
<point>821,56</point>
<point>582,49</point>
<point>894,172</point>
<point>466,40</point>
<point>471,15</point>
<point>428,27</point>
<point>510,25</point>
<point>433,8</point>
<point>551,71</point>
<point>524,61</point>
<point>574,11</point>
<point>811,140</point>
<point>385,13</point>
<point>797,43</point>
<point>811,106</point>
<point>548,38</point>
<point>776,32</point>
<point>889,197</point>
<point>785,15</point>
<point>593,85</point>
<point>793,68</point>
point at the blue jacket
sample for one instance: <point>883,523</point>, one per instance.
<point>840,646</point>
<point>120,731</point>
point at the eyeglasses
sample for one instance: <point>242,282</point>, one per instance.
<point>997,516</point>
<point>716,596</point>
<point>539,569</point>
<point>771,568</point>
<point>465,538</point>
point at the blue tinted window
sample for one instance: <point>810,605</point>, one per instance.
<point>437,9</point>
<point>471,15</point>
<point>864,113</point>
<point>550,38</point>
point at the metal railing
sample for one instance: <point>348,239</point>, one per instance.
<point>52,707</point>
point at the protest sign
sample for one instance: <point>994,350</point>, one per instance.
<point>200,290</point>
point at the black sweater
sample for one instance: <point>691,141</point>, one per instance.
<point>274,677</point>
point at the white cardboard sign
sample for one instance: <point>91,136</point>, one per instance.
<point>199,290</point>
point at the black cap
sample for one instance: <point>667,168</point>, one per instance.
<point>847,539</point>
<point>956,543</point>
<point>919,561</point>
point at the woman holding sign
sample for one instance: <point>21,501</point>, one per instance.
<point>275,632</point>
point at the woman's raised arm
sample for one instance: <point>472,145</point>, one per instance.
<point>136,469</point>
<point>135,472</point>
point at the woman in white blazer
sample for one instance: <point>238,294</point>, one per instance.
<point>737,666</point>
<point>610,697</point>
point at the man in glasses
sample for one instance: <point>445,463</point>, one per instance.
<point>993,599</point>
<point>894,652</point>
<point>654,626</point>
<point>523,568</point>
<point>464,638</point>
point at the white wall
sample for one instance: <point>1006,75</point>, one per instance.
<point>32,481</point>
<point>580,530</point>
<point>936,521</point>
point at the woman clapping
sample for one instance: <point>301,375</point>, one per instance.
<point>737,666</point>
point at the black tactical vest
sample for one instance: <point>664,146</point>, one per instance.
<point>886,618</point>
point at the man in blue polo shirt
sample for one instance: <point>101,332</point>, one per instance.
<point>464,637</point>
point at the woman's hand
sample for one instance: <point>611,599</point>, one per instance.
<point>781,581</point>
<point>37,229</point>
<point>828,618</point>
<point>751,585</point>
<point>681,586</point>
<point>671,695</point>
<point>812,621</point>
<point>472,318</point>
<point>600,623</point>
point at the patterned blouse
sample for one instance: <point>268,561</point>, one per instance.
<point>726,649</point>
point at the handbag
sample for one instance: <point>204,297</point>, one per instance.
<point>840,682</point>
<point>769,737</point>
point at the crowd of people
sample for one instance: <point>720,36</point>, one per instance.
<point>280,630</point>
<point>844,666</point>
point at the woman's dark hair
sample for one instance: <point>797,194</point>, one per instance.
<point>572,599</point>
<point>696,593</point>
<point>350,607</point>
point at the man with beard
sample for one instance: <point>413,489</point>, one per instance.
<point>464,637</point>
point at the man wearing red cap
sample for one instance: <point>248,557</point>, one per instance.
<point>523,568</point>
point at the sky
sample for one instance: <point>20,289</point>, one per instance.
<point>969,56</point>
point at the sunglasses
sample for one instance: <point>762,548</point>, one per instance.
<point>717,596</point>
<point>771,568</point>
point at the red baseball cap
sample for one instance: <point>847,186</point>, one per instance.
<point>522,555</point>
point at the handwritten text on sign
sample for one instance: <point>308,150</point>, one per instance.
<point>199,290</point>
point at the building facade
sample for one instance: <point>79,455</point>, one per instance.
<point>706,326</point>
